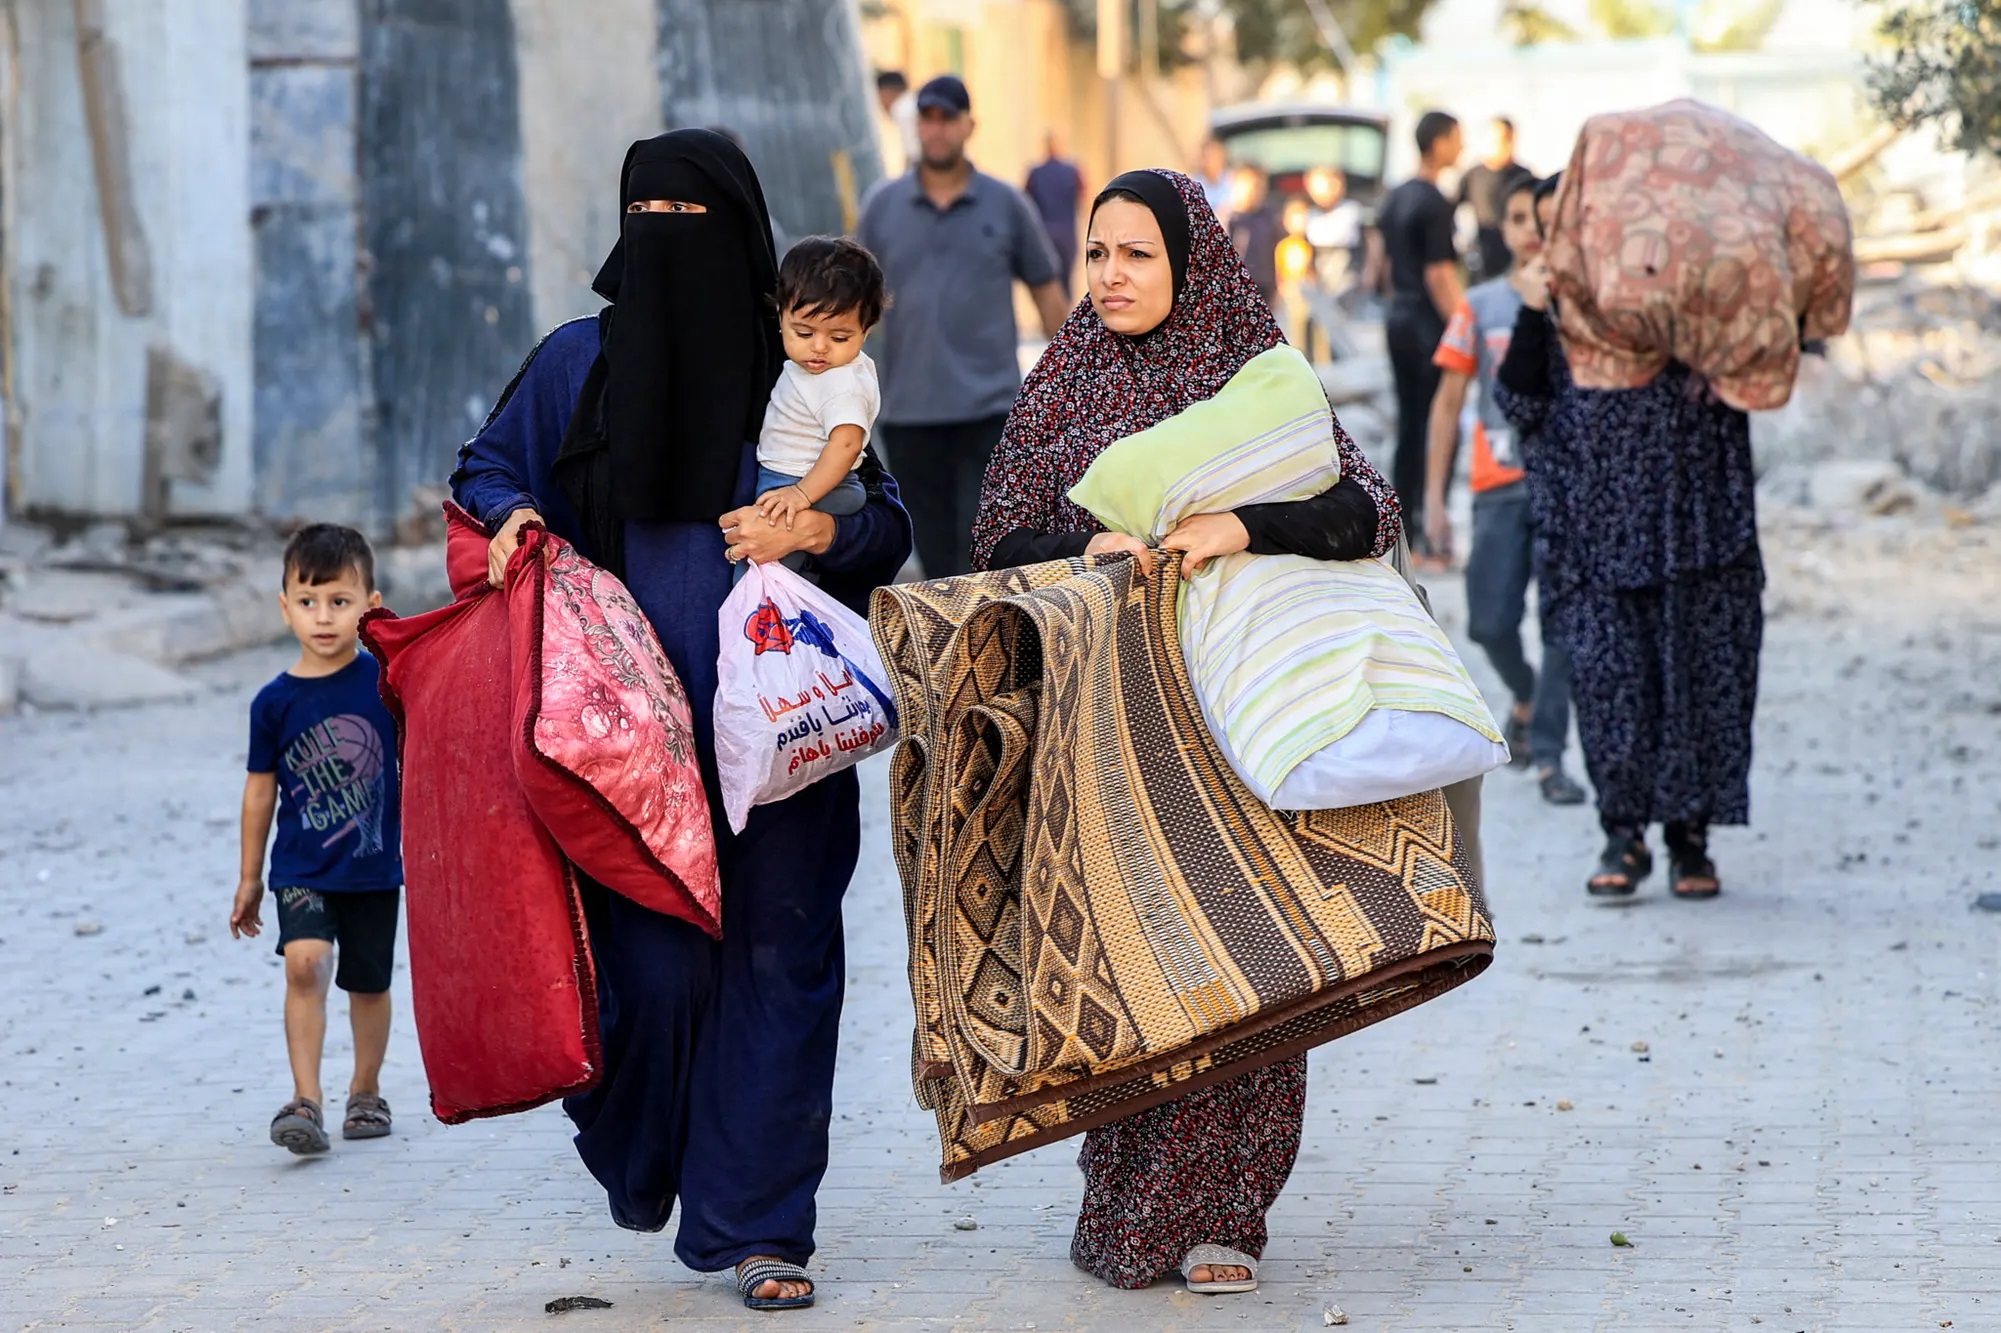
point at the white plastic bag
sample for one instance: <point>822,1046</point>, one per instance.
<point>800,691</point>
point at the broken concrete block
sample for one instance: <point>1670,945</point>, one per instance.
<point>65,596</point>
<point>1876,486</point>
<point>76,675</point>
<point>1356,380</point>
<point>412,578</point>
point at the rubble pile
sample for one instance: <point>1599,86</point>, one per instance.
<point>102,618</point>
<point>1915,383</point>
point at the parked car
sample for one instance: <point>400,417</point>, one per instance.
<point>1288,140</point>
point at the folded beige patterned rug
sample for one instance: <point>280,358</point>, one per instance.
<point>1101,915</point>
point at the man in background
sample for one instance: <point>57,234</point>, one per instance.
<point>1256,227</point>
<point>1482,187</point>
<point>952,241</point>
<point>1056,188</point>
<point>1212,173</point>
<point>899,109</point>
<point>1413,249</point>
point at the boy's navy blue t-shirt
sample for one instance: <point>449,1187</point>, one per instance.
<point>333,746</point>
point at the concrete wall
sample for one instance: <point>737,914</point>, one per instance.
<point>315,449</point>
<point>79,359</point>
<point>788,77</point>
<point>446,229</point>
<point>587,91</point>
<point>358,215</point>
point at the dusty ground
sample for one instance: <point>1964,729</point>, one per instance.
<point>1807,1141</point>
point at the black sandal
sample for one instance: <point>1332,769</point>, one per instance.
<point>1558,787</point>
<point>754,1273</point>
<point>1621,866</point>
<point>1694,871</point>
<point>299,1128</point>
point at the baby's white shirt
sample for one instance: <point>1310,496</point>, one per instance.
<point>806,407</point>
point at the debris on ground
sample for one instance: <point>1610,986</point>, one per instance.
<point>1332,1315</point>
<point>565,1304</point>
<point>1620,1242</point>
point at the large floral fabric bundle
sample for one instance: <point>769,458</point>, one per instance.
<point>1684,233</point>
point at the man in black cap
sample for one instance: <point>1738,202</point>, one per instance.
<point>952,242</point>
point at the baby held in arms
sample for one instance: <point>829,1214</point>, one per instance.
<point>830,294</point>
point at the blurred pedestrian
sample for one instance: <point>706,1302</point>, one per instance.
<point>1256,227</point>
<point>1501,562</point>
<point>1056,188</point>
<point>1484,186</point>
<point>1412,247</point>
<point>323,759</point>
<point>1333,227</point>
<point>952,241</point>
<point>1651,579</point>
<point>899,109</point>
<point>1212,173</point>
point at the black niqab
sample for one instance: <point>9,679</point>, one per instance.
<point>689,345</point>
<point>1168,209</point>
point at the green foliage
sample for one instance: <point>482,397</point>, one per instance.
<point>1527,23</point>
<point>1277,30</point>
<point>1633,20</point>
<point>1943,69</point>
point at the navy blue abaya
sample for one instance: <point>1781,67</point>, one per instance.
<point>719,1055</point>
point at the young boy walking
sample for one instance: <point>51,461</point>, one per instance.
<point>1501,564</point>
<point>323,758</point>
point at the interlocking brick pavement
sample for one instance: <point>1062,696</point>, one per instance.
<point>1807,1143</point>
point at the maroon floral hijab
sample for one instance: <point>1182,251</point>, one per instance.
<point>1093,386</point>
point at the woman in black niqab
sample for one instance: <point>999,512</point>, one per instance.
<point>632,434</point>
<point>690,343</point>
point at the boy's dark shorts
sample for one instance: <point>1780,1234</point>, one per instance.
<point>359,923</point>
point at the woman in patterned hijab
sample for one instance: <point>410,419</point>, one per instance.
<point>1173,315</point>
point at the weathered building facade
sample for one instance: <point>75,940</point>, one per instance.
<point>275,257</point>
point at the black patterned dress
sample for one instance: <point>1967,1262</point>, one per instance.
<point>1646,527</point>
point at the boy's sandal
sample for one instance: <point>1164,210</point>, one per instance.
<point>1213,1257</point>
<point>1623,864</point>
<point>1694,873</point>
<point>754,1274</point>
<point>367,1117</point>
<point>299,1128</point>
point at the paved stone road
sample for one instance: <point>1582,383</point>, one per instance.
<point>1807,1142</point>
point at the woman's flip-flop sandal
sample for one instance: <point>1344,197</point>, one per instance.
<point>367,1117</point>
<point>1623,864</point>
<point>299,1128</point>
<point>1694,872</point>
<point>757,1272</point>
<point>1213,1257</point>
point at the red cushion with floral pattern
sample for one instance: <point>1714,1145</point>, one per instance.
<point>604,742</point>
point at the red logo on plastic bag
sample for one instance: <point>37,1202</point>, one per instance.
<point>767,630</point>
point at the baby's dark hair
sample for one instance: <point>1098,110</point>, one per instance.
<point>322,552</point>
<point>832,275</point>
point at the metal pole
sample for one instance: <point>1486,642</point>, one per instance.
<point>1330,33</point>
<point>1111,67</point>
